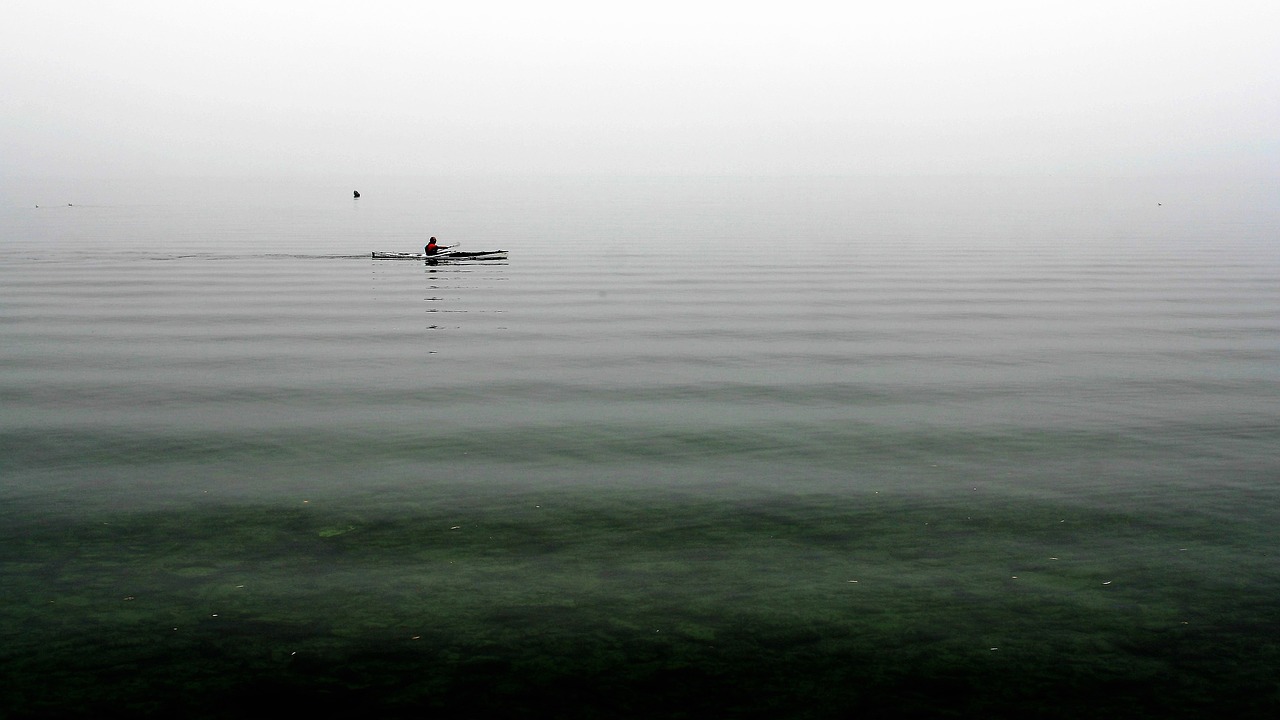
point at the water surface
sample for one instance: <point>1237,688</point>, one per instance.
<point>801,447</point>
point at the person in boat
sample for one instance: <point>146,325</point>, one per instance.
<point>431,248</point>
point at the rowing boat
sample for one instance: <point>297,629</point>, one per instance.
<point>443,255</point>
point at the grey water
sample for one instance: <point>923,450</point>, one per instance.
<point>801,447</point>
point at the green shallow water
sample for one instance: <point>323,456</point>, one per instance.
<point>574,603</point>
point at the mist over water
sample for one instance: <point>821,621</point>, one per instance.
<point>810,443</point>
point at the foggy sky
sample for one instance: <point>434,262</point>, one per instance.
<point>359,88</point>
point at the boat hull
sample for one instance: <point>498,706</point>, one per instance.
<point>444,255</point>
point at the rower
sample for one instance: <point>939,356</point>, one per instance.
<point>431,247</point>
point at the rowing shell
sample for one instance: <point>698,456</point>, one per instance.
<point>443,255</point>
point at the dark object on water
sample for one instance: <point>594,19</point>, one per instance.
<point>357,193</point>
<point>443,255</point>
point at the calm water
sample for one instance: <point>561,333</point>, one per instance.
<point>738,447</point>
